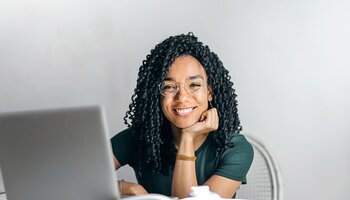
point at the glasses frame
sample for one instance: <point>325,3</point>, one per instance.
<point>205,82</point>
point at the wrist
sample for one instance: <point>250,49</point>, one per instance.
<point>185,157</point>
<point>187,136</point>
<point>120,185</point>
<point>186,146</point>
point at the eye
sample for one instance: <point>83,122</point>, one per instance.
<point>169,87</point>
<point>195,85</point>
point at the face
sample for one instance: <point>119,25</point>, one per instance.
<point>185,108</point>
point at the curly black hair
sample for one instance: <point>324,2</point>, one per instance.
<point>151,130</point>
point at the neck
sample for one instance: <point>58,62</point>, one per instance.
<point>197,141</point>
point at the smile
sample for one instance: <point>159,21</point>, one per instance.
<point>183,111</point>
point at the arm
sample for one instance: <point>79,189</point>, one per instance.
<point>121,149</point>
<point>225,187</point>
<point>233,168</point>
<point>185,171</point>
<point>128,188</point>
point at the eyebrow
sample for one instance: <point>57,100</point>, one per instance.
<point>189,78</point>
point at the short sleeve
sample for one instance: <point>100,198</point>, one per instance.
<point>235,162</point>
<point>121,146</point>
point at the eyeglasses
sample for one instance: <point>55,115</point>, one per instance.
<point>170,88</point>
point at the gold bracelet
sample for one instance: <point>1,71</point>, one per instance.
<point>120,185</point>
<point>183,157</point>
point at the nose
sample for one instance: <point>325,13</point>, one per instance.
<point>182,94</point>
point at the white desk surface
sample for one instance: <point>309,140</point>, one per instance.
<point>3,197</point>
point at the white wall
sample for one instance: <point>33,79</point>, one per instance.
<point>288,59</point>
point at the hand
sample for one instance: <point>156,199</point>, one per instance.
<point>209,121</point>
<point>133,189</point>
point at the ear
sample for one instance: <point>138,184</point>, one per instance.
<point>210,93</point>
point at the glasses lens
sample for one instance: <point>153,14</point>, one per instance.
<point>168,88</point>
<point>193,86</point>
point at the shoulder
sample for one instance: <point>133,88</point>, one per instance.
<point>123,135</point>
<point>122,145</point>
<point>235,161</point>
<point>240,140</point>
<point>240,149</point>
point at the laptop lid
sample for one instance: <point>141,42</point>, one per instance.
<point>57,154</point>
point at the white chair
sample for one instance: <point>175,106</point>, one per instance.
<point>264,178</point>
<point>2,189</point>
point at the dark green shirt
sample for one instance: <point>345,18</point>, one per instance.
<point>233,163</point>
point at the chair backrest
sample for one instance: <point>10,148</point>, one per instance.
<point>264,178</point>
<point>2,189</point>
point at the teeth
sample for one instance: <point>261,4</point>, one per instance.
<point>184,111</point>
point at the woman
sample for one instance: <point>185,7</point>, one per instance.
<point>183,124</point>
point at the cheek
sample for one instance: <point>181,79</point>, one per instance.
<point>164,104</point>
<point>203,99</point>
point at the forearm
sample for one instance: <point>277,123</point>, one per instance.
<point>128,188</point>
<point>185,170</point>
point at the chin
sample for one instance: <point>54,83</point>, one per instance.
<point>184,125</point>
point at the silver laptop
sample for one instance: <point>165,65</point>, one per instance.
<point>58,154</point>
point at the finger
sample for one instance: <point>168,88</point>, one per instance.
<point>204,116</point>
<point>216,122</point>
<point>213,119</point>
<point>209,120</point>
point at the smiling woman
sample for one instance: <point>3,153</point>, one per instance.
<point>183,124</point>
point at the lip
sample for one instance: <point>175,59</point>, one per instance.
<point>184,111</point>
